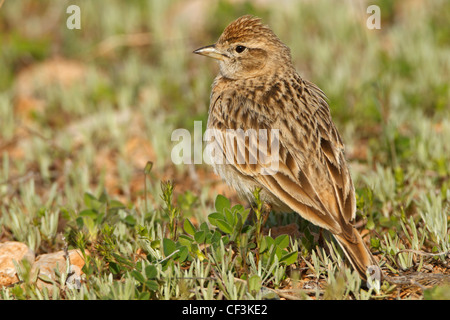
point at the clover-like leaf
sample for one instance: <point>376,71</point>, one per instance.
<point>189,227</point>
<point>221,203</point>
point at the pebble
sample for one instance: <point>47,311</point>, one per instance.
<point>45,263</point>
<point>10,251</point>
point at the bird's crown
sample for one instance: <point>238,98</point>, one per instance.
<point>245,28</point>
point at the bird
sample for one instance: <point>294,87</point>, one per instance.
<point>258,89</point>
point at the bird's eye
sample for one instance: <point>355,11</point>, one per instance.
<point>240,49</point>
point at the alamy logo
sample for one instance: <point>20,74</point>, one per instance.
<point>250,147</point>
<point>74,20</point>
<point>373,21</point>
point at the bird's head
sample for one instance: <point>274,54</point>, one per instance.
<point>247,49</point>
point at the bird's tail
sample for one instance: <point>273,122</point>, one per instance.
<point>359,255</point>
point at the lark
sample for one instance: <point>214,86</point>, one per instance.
<point>257,89</point>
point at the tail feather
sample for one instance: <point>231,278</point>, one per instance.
<point>358,254</point>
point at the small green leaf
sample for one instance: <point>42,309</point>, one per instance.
<point>213,217</point>
<point>88,197</point>
<point>224,226</point>
<point>375,243</point>
<point>245,214</point>
<point>91,202</point>
<point>151,272</point>
<point>185,240</point>
<point>138,276</point>
<point>168,246</point>
<point>144,296</point>
<point>204,227</point>
<point>251,246</point>
<point>254,283</point>
<point>115,204</point>
<point>208,238</point>
<point>282,241</point>
<point>155,244</point>
<point>152,285</point>
<point>238,208</point>
<point>229,216</point>
<point>87,269</point>
<point>289,258</point>
<point>79,222</point>
<point>188,227</point>
<point>89,223</point>
<point>370,225</point>
<point>104,198</point>
<point>194,248</point>
<point>239,220</point>
<point>183,254</point>
<point>17,291</point>
<point>216,237</point>
<point>200,236</point>
<point>278,252</point>
<point>89,213</point>
<point>130,220</point>
<point>263,245</point>
<point>225,240</point>
<point>221,203</point>
<point>266,243</point>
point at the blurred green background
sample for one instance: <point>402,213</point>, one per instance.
<point>84,110</point>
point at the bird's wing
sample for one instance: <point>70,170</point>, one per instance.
<point>311,176</point>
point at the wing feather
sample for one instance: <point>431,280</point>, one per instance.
<point>311,177</point>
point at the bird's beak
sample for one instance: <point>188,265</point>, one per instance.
<point>212,52</point>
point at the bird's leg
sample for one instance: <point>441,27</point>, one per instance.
<point>320,238</point>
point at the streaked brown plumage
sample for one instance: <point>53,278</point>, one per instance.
<point>258,88</point>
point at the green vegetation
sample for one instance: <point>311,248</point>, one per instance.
<point>86,118</point>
